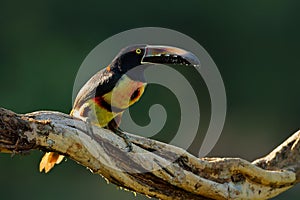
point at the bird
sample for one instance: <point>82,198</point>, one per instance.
<point>106,95</point>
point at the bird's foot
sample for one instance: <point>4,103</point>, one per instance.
<point>89,127</point>
<point>123,135</point>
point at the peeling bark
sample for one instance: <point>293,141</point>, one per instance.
<point>152,168</point>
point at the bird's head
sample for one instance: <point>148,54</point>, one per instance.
<point>133,60</point>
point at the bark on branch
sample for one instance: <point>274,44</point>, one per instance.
<point>152,168</point>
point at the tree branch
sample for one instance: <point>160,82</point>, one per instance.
<point>152,168</point>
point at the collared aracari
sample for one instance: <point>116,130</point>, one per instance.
<point>103,99</point>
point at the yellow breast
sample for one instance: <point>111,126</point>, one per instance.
<point>125,93</point>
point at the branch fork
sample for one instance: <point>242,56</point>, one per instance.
<point>152,168</point>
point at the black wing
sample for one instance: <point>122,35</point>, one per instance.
<point>98,85</point>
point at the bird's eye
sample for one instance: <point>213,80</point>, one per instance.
<point>138,51</point>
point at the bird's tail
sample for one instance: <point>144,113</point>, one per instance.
<point>49,160</point>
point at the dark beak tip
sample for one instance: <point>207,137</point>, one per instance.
<point>196,62</point>
<point>196,65</point>
<point>192,59</point>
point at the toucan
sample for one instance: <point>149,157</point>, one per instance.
<point>107,94</point>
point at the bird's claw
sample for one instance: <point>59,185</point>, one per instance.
<point>89,127</point>
<point>123,135</point>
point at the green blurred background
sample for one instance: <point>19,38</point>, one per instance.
<point>255,45</point>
